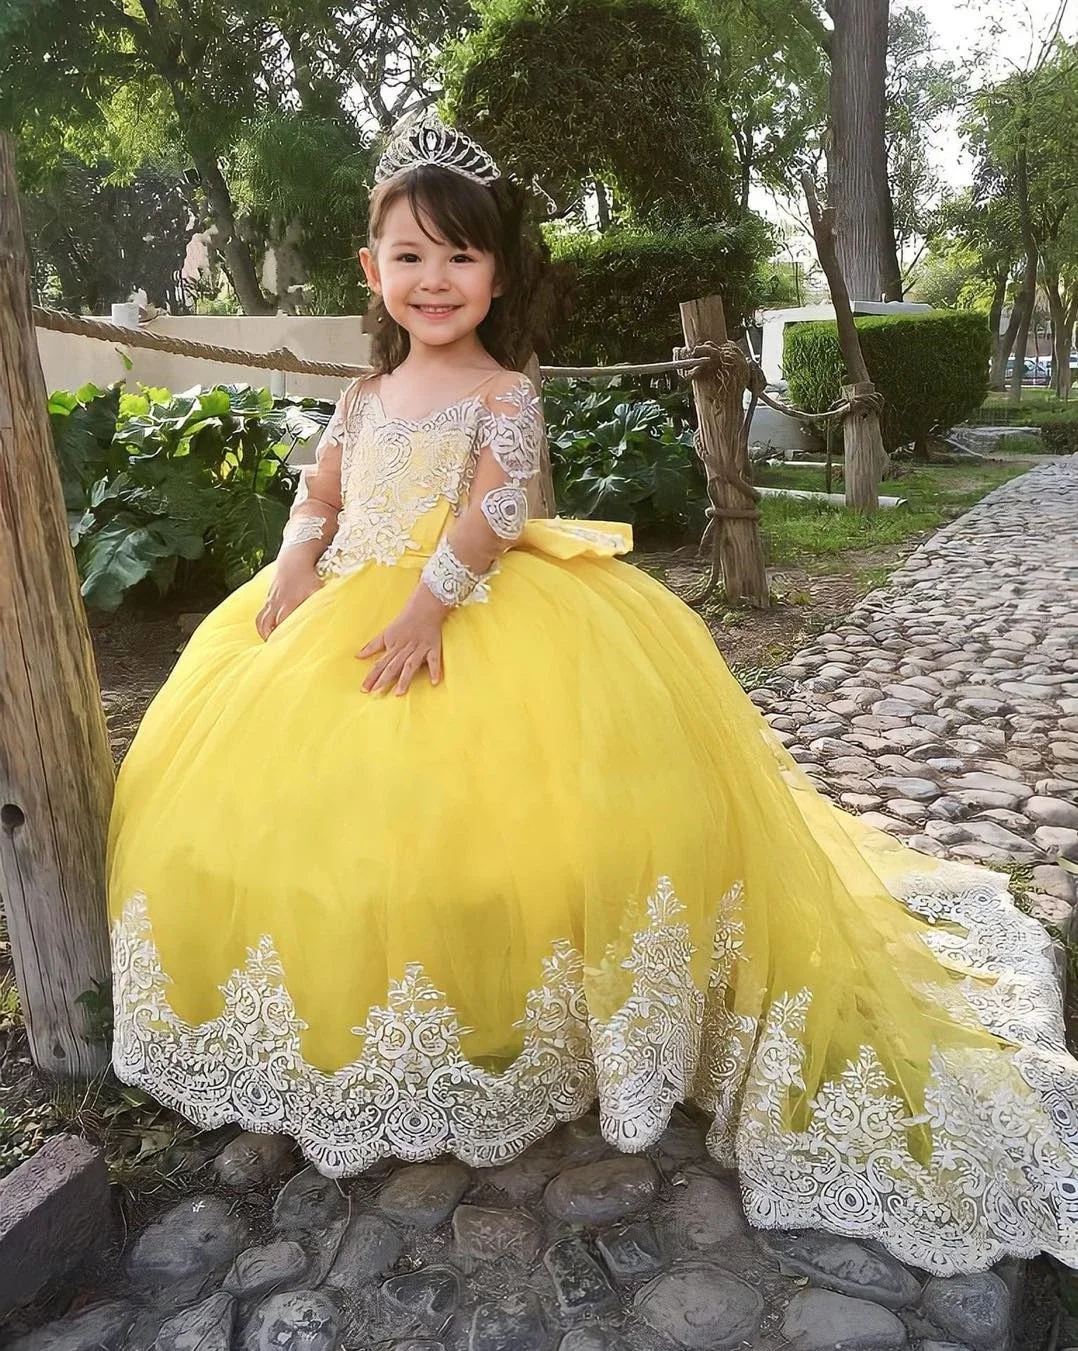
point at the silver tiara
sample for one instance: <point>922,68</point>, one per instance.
<point>429,141</point>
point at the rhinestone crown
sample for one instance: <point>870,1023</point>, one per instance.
<point>429,141</point>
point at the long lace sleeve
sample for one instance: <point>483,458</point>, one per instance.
<point>511,437</point>
<point>317,504</point>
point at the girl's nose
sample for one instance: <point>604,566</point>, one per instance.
<point>434,279</point>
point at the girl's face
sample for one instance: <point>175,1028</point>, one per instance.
<point>439,293</point>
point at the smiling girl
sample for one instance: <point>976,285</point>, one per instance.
<point>569,862</point>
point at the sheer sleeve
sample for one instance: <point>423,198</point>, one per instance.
<point>509,457</point>
<point>317,504</point>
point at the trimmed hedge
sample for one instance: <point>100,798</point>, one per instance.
<point>931,368</point>
<point>624,288</point>
<point>1059,430</point>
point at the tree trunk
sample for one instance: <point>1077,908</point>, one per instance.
<point>857,154</point>
<point>866,460</point>
<point>1005,345</point>
<point>543,504</point>
<point>891,280</point>
<point>603,203</point>
<point>1021,321</point>
<point>1027,298</point>
<point>55,766</point>
<point>995,318</point>
<point>1057,309</point>
<point>238,262</point>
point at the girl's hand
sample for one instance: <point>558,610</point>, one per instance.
<point>294,581</point>
<point>412,641</point>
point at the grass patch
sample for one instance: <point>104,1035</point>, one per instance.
<point>1031,398</point>
<point>1022,444</point>
<point>10,1012</point>
<point>798,530</point>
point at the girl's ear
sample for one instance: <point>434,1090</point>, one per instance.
<point>370,270</point>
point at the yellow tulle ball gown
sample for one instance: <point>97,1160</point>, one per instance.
<point>580,869</point>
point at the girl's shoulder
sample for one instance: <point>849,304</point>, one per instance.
<point>510,392</point>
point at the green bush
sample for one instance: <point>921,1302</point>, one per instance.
<point>625,287</point>
<point>161,486</point>
<point>1059,430</point>
<point>931,368</point>
<point>619,457</point>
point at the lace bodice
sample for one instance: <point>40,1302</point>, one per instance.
<point>394,483</point>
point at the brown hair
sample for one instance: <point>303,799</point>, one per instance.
<point>469,215</point>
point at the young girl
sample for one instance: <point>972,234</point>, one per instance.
<point>450,823</point>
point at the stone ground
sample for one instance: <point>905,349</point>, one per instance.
<point>571,1248</point>
<point>945,708</point>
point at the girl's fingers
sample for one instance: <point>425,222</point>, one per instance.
<point>375,672</point>
<point>377,644</point>
<point>408,674</point>
<point>434,665</point>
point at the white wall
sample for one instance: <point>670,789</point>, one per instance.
<point>69,361</point>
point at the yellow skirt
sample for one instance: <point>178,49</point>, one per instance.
<point>582,868</point>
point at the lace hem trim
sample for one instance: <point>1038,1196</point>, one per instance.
<point>1001,1178</point>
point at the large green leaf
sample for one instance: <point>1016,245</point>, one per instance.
<point>82,433</point>
<point>125,552</point>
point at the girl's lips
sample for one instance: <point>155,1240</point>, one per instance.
<point>436,311</point>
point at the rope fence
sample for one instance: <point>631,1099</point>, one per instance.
<point>691,365</point>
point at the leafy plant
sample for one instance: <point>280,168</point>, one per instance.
<point>624,287</point>
<point>1058,429</point>
<point>97,1001</point>
<point>931,368</point>
<point>156,482</point>
<point>616,457</point>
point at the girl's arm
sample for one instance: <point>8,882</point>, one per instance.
<point>510,454</point>
<point>511,437</point>
<point>312,523</point>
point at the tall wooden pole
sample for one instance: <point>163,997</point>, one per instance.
<point>55,767</point>
<point>737,548</point>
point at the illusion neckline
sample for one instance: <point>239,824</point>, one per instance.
<point>474,396</point>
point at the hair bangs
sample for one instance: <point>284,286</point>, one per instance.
<point>446,206</point>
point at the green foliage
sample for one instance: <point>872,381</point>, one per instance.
<point>1058,429</point>
<point>931,368</point>
<point>921,91</point>
<point>564,92</point>
<point>617,457</point>
<point>772,86</point>
<point>303,182</point>
<point>625,287</point>
<point>155,482</point>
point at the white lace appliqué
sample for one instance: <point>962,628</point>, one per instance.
<point>1001,1176</point>
<point>395,470</point>
<point>302,530</point>
<point>392,473</point>
<point>505,510</point>
<point>447,578</point>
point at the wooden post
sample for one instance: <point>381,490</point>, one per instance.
<point>55,767</point>
<point>738,555</point>
<point>866,459</point>
<point>545,504</point>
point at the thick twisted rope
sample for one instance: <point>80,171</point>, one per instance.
<point>730,369</point>
<point>281,359</point>
<point>692,364</point>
